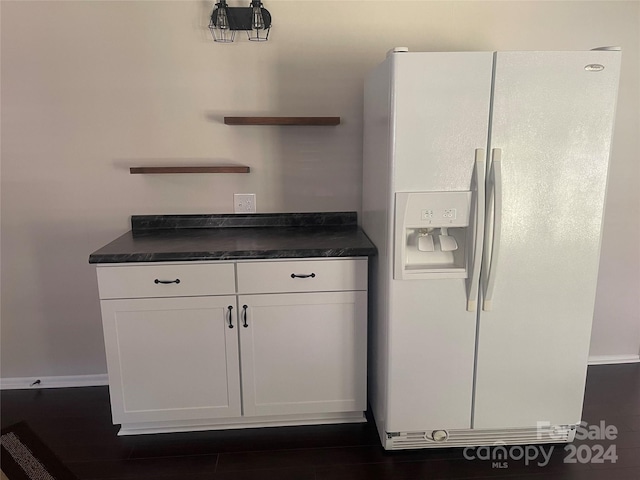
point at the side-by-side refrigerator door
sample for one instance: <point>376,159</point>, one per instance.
<point>552,123</point>
<point>441,117</point>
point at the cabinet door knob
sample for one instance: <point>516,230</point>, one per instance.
<point>230,308</point>
<point>297,275</point>
<point>166,282</point>
<point>244,316</point>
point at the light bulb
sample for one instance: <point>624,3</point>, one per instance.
<point>222,21</point>
<point>257,20</point>
<point>220,26</point>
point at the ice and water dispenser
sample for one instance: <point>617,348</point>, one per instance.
<point>432,235</point>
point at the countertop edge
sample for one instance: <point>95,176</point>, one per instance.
<point>236,255</point>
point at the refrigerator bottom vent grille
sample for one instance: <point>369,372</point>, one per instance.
<point>477,438</point>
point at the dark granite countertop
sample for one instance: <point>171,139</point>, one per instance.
<point>169,238</point>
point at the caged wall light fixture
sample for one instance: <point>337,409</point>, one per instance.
<point>225,21</point>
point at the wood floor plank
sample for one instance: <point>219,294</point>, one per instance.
<point>623,423</point>
<point>255,439</point>
<point>297,458</point>
<point>608,474</point>
<point>303,473</point>
<point>614,389</point>
<point>441,469</point>
<point>145,468</point>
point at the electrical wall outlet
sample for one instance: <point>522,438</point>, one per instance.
<point>244,203</point>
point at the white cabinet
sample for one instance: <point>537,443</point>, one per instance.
<point>172,358</point>
<point>182,339</point>
<point>303,353</point>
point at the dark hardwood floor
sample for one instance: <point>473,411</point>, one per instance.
<point>76,424</point>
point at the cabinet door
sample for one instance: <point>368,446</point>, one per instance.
<point>303,353</point>
<point>172,358</point>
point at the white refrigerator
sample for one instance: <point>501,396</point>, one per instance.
<point>484,185</point>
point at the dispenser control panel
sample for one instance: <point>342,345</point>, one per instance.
<point>435,209</point>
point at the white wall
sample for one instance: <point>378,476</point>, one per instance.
<point>89,89</point>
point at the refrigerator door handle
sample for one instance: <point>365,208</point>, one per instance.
<point>493,229</point>
<point>474,275</point>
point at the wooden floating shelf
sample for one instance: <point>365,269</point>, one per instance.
<point>282,120</point>
<point>201,169</point>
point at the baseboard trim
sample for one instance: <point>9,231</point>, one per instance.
<point>613,359</point>
<point>30,383</point>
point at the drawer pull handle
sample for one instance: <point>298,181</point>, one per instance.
<point>166,282</point>
<point>230,308</point>
<point>244,316</point>
<point>295,275</point>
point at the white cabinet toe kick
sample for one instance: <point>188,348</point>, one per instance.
<point>141,428</point>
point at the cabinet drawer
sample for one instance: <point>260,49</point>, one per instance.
<point>302,276</point>
<point>179,280</point>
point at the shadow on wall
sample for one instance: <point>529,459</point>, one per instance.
<point>320,166</point>
<point>71,337</point>
<point>65,284</point>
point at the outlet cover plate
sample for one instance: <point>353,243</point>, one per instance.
<point>244,203</point>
